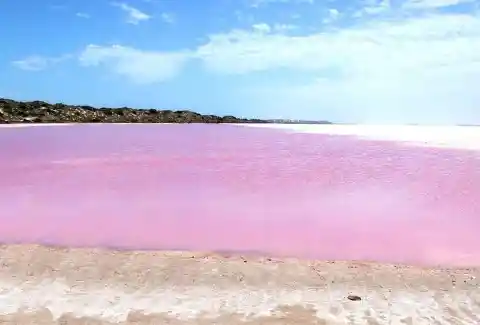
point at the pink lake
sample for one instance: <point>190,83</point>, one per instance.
<point>235,188</point>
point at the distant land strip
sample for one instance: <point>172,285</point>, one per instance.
<point>12,111</point>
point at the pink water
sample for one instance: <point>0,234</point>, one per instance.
<point>225,187</point>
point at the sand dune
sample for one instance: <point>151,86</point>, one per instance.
<point>44,285</point>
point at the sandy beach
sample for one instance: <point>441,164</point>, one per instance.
<point>46,285</point>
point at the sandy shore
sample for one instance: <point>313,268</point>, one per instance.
<point>42,285</point>
<point>20,125</point>
<point>441,136</point>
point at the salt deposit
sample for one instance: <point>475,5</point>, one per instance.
<point>461,137</point>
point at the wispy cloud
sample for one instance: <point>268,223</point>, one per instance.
<point>373,7</point>
<point>134,15</point>
<point>284,27</point>
<point>168,18</point>
<point>38,62</point>
<point>32,63</point>
<point>258,3</point>
<point>333,13</point>
<point>374,48</point>
<point>82,15</point>
<point>267,28</point>
<point>423,4</point>
<point>139,66</point>
<point>332,16</point>
<point>378,48</point>
<point>262,28</point>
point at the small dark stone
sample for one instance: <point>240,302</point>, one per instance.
<point>354,298</point>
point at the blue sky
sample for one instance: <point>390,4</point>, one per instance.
<point>367,61</point>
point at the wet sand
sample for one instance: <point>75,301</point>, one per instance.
<point>46,285</point>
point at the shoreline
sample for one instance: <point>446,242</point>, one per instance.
<point>420,136</point>
<point>104,286</point>
<point>426,136</point>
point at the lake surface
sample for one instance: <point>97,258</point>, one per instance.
<point>236,188</point>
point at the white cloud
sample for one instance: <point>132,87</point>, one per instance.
<point>333,15</point>
<point>262,28</point>
<point>32,63</point>
<point>168,18</point>
<point>276,28</point>
<point>373,7</point>
<point>284,27</point>
<point>258,3</point>
<point>375,48</point>
<point>134,15</point>
<point>425,4</point>
<point>382,50</point>
<point>38,62</point>
<point>82,15</point>
<point>386,68</point>
<point>139,66</point>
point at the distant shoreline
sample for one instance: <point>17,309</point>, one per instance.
<point>21,112</point>
<point>24,112</point>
